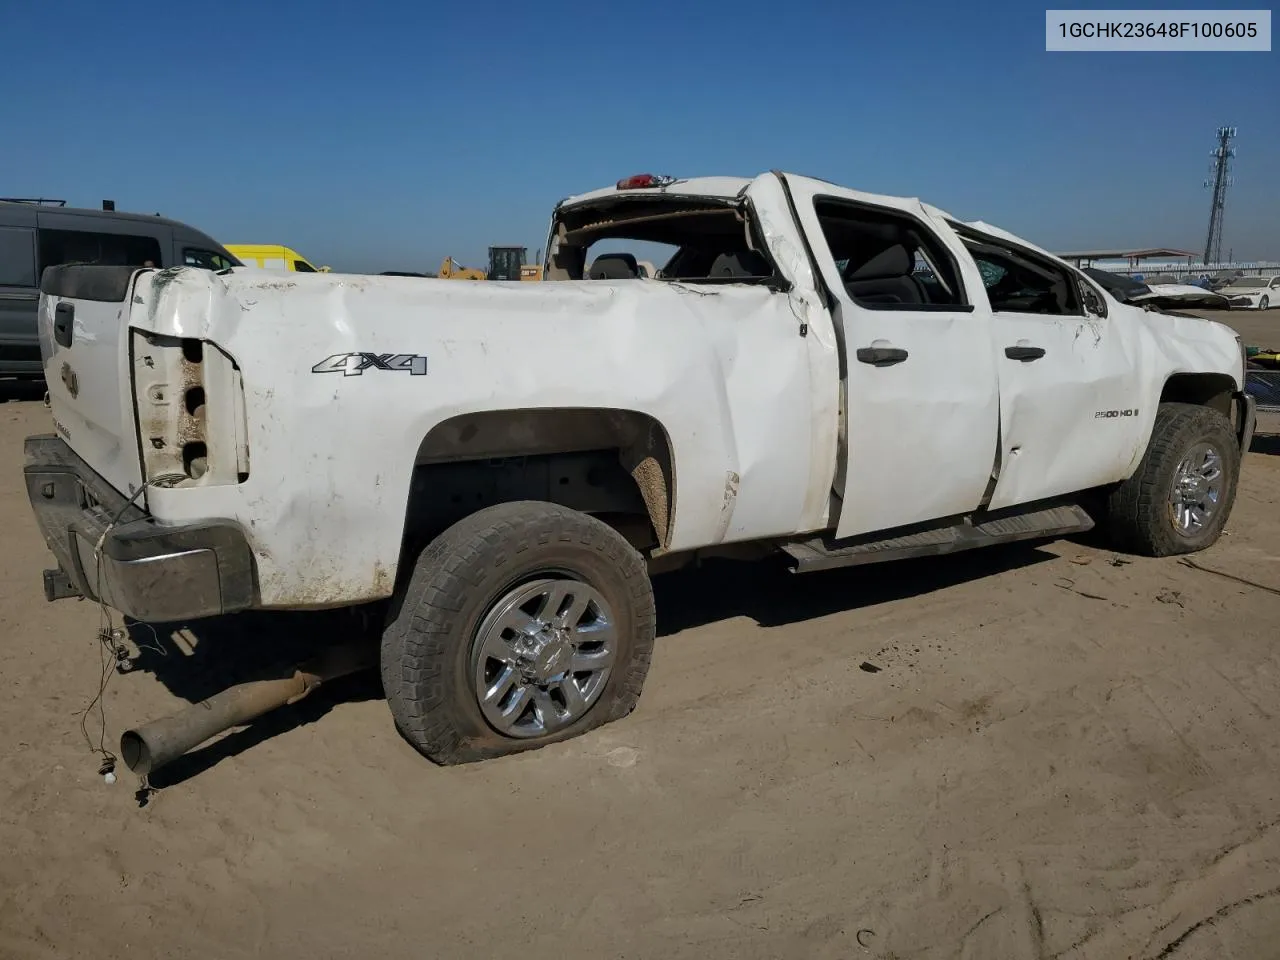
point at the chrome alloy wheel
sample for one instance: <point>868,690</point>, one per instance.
<point>542,656</point>
<point>1197,489</point>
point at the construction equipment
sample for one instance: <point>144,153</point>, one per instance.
<point>505,263</point>
<point>450,269</point>
<point>508,263</point>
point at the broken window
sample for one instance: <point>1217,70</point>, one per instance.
<point>691,240</point>
<point>889,260</point>
<point>1019,280</point>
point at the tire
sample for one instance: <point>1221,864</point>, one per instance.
<point>436,647</point>
<point>1264,304</point>
<point>1142,516</point>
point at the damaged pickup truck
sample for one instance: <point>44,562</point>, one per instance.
<point>827,375</point>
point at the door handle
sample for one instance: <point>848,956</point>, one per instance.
<point>1025,354</point>
<point>881,356</point>
<point>64,316</point>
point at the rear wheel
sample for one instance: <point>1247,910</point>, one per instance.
<point>523,624</point>
<point>1179,498</point>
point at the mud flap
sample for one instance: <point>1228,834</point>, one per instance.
<point>1246,420</point>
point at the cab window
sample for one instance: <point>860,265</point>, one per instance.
<point>889,260</point>
<point>1020,281</point>
<point>301,266</point>
<point>696,240</point>
<point>206,259</point>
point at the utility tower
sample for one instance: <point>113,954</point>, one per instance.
<point>1222,179</point>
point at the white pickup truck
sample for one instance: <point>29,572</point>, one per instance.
<point>835,376</point>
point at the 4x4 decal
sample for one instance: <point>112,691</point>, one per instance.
<point>355,364</point>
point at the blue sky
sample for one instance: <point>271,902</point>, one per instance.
<point>385,135</point>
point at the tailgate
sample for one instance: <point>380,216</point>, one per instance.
<point>84,314</point>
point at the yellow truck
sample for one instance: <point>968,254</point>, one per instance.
<point>272,256</point>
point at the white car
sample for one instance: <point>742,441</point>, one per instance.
<point>1253,293</point>
<point>497,468</point>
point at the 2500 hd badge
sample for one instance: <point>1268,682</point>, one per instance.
<point>1108,414</point>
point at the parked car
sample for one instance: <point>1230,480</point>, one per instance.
<point>34,238</point>
<point>1222,278</point>
<point>273,256</point>
<point>499,468</point>
<point>1155,294</point>
<point>1253,293</point>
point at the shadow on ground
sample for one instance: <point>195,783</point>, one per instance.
<point>21,390</point>
<point>1266,443</point>
<point>196,660</point>
<point>771,596</point>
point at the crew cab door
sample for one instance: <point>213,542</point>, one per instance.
<point>921,398</point>
<point>1070,404</point>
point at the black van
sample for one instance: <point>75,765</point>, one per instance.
<point>36,235</point>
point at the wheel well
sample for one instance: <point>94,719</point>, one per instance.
<point>613,464</point>
<point>1202,389</point>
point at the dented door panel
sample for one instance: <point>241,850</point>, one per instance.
<point>919,436</point>
<point>1080,416</point>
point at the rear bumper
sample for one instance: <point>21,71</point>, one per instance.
<point>144,569</point>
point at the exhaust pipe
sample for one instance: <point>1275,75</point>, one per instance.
<point>148,748</point>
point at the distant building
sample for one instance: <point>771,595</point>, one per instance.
<point>1161,260</point>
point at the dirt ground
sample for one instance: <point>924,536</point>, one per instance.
<point>1029,752</point>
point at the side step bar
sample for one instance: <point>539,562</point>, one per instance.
<point>821,553</point>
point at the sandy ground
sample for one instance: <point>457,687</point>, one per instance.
<point>1064,753</point>
<point>1256,327</point>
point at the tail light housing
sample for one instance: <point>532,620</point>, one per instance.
<point>189,399</point>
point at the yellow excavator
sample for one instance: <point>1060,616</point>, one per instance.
<point>505,263</point>
<point>451,269</point>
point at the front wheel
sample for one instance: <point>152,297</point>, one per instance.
<point>1264,304</point>
<point>1179,498</point>
<point>523,624</point>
